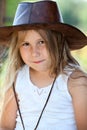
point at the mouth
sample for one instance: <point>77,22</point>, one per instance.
<point>39,61</point>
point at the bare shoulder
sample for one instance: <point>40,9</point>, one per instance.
<point>77,84</point>
<point>77,81</point>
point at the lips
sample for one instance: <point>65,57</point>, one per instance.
<point>37,62</point>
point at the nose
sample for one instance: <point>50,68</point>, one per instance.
<point>35,51</point>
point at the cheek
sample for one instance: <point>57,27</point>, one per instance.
<point>21,52</point>
<point>46,54</point>
<point>24,54</point>
<point>44,51</point>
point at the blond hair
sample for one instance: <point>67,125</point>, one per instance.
<point>57,47</point>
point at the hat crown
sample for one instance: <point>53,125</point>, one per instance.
<point>37,12</point>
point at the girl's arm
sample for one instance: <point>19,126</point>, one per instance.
<point>78,89</point>
<point>9,110</point>
<point>5,129</point>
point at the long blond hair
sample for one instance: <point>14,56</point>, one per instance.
<point>57,47</point>
<point>13,61</point>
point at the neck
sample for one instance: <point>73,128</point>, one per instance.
<point>41,79</point>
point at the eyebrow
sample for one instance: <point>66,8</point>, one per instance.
<point>40,39</point>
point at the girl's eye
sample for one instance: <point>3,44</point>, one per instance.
<point>25,44</point>
<point>42,42</point>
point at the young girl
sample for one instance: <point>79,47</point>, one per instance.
<point>46,89</point>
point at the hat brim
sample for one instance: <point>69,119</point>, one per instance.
<point>75,38</point>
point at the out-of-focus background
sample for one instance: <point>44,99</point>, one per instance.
<point>74,12</point>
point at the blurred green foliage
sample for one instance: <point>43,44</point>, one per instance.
<point>75,13</point>
<point>11,6</point>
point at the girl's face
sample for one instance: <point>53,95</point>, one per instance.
<point>34,52</point>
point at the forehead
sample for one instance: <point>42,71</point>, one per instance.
<point>23,32</point>
<point>32,33</point>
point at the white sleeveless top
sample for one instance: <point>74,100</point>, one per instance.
<point>58,114</point>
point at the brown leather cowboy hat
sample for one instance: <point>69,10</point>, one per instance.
<point>45,15</point>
